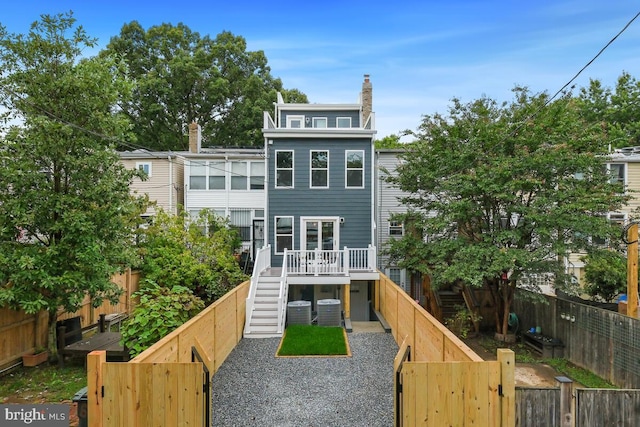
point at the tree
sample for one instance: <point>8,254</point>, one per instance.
<point>504,192</point>
<point>181,77</point>
<point>605,273</point>
<point>195,253</point>
<point>66,216</point>
<point>389,142</point>
<point>616,111</point>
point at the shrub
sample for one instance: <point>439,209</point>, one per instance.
<point>160,310</point>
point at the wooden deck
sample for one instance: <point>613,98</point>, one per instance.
<point>107,341</point>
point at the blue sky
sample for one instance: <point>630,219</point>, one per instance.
<point>420,54</point>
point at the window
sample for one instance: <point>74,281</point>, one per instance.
<point>240,219</point>
<point>295,122</point>
<point>198,176</point>
<point>144,167</point>
<point>284,233</point>
<point>216,176</point>
<point>319,169</point>
<point>319,122</point>
<point>616,173</point>
<point>343,122</point>
<point>257,176</point>
<point>394,275</point>
<point>355,169</point>
<point>395,228</point>
<point>239,175</point>
<point>284,169</point>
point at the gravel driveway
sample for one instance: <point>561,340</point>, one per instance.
<point>255,388</point>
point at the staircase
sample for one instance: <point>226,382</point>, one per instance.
<point>450,300</point>
<point>263,322</point>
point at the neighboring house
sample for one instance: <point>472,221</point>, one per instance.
<point>624,167</point>
<point>320,223</point>
<point>387,204</point>
<point>165,178</point>
<point>229,182</point>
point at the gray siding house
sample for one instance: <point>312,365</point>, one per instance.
<point>320,218</point>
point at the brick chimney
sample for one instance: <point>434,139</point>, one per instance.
<point>367,99</point>
<point>195,138</point>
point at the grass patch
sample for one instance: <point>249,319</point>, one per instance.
<point>583,376</point>
<point>43,383</point>
<point>309,340</point>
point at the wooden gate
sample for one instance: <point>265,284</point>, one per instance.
<point>145,394</point>
<point>454,393</point>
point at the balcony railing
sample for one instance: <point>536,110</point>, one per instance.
<point>330,263</point>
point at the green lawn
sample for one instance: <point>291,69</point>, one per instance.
<point>309,340</point>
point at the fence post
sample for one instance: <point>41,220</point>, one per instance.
<point>507,361</point>
<point>566,386</point>
<point>95,362</point>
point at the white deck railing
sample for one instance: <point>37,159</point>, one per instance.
<point>283,296</point>
<point>325,263</point>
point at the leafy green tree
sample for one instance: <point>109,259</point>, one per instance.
<point>617,111</point>
<point>181,77</point>
<point>159,311</point>
<point>605,273</point>
<point>501,192</point>
<point>176,252</point>
<point>390,141</point>
<point>66,216</point>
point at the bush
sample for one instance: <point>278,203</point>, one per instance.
<point>159,311</point>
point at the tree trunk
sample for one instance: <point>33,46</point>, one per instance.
<point>52,343</point>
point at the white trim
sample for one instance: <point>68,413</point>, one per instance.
<point>317,120</point>
<point>142,165</point>
<point>295,118</point>
<point>293,168</point>
<point>275,233</point>
<point>346,169</point>
<point>311,168</point>
<point>320,219</point>
<point>343,118</point>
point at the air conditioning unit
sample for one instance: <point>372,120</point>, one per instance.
<point>329,312</point>
<point>299,313</point>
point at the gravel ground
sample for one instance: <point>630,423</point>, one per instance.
<point>255,388</point>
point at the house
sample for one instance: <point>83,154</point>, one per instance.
<point>387,205</point>
<point>164,178</point>
<point>229,182</point>
<point>624,167</point>
<point>320,221</point>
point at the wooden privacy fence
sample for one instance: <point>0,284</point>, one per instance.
<point>22,333</point>
<point>605,342</point>
<point>168,384</point>
<point>439,379</point>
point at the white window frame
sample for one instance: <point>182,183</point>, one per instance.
<point>239,174</point>
<point>144,167</point>
<point>216,168</point>
<point>312,169</point>
<point>347,168</point>
<point>257,180</point>
<point>292,169</point>
<point>317,121</point>
<point>275,232</point>
<point>292,119</point>
<point>205,165</point>
<point>338,119</point>
<point>617,179</point>
<point>396,228</point>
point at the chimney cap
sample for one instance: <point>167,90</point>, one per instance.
<point>366,78</point>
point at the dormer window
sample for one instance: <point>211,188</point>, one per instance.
<point>295,122</point>
<point>343,122</point>
<point>319,122</point>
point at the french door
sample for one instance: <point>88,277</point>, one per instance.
<point>320,233</point>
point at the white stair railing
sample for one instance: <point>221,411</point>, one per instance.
<point>283,295</point>
<point>262,262</point>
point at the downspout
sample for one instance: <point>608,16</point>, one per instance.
<point>170,184</point>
